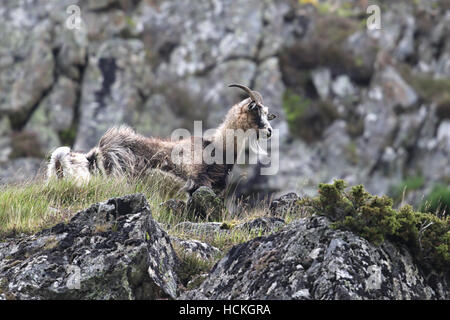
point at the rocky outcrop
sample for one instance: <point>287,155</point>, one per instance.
<point>112,250</point>
<point>309,260</point>
<point>116,250</point>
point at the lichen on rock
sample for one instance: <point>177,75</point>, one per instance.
<point>112,250</point>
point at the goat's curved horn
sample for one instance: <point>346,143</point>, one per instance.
<point>254,95</point>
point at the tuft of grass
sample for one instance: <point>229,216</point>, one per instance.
<point>426,235</point>
<point>223,239</point>
<point>438,200</point>
<point>191,267</point>
<point>29,207</point>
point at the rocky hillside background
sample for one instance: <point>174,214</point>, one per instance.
<point>371,107</point>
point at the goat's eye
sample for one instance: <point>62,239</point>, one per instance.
<point>271,116</point>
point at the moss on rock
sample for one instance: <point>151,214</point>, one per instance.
<point>426,235</point>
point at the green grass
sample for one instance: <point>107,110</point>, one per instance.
<point>409,184</point>
<point>30,207</point>
<point>438,200</point>
<point>191,267</point>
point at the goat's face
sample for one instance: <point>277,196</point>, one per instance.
<point>258,118</point>
<point>256,114</point>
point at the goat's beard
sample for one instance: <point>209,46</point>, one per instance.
<point>255,146</point>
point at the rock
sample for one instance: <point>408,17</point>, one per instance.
<point>444,130</point>
<point>20,170</point>
<point>174,206</point>
<point>409,128</point>
<point>343,86</point>
<point>396,91</point>
<point>284,204</point>
<point>405,47</point>
<point>115,80</point>
<point>203,228</point>
<point>112,250</point>
<point>379,123</point>
<point>37,76</point>
<point>201,249</point>
<point>5,139</point>
<point>204,203</point>
<point>72,50</point>
<point>309,260</point>
<point>261,225</point>
<point>322,79</point>
<point>53,118</point>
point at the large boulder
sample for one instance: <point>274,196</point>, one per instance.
<point>112,250</point>
<point>310,260</point>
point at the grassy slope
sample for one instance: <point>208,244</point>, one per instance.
<point>30,207</point>
<point>33,206</point>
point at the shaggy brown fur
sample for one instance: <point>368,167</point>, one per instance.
<point>121,151</point>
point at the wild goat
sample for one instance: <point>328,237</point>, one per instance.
<point>121,151</point>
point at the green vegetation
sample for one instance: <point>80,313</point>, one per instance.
<point>191,268</point>
<point>32,206</point>
<point>342,10</point>
<point>294,106</point>
<point>29,207</point>
<point>438,200</point>
<point>409,184</point>
<point>352,153</point>
<point>68,135</point>
<point>307,118</point>
<point>426,235</point>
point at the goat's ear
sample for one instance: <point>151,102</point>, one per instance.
<point>271,116</point>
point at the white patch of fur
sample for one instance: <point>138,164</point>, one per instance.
<point>73,165</point>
